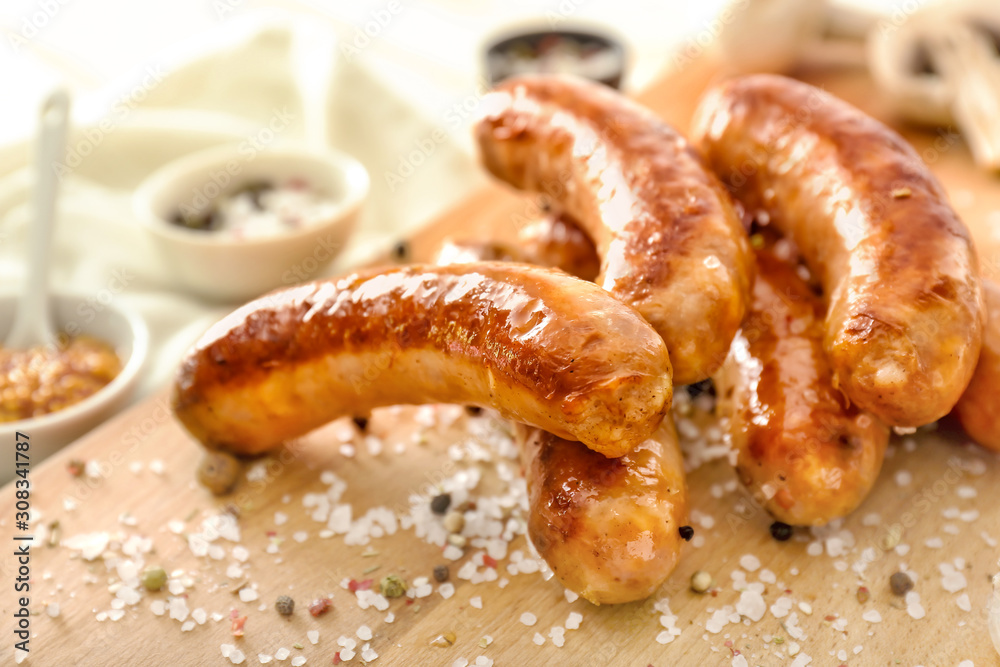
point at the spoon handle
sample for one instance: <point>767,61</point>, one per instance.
<point>33,322</point>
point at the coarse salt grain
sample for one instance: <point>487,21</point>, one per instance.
<point>815,549</point>
<point>751,605</point>
<point>573,620</point>
<point>446,590</point>
<point>313,636</point>
<point>749,562</point>
<point>364,633</point>
<point>248,594</point>
<point>872,616</point>
<point>903,478</point>
<point>933,543</point>
<point>528,619</point>
<point>538,638</point>
<point>264,658</point>
<point>282,654</point>
<point>298,661</point>
<point>476,602</point>
<point>963,602</point>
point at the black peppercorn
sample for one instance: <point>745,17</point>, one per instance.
<point>781,531</point>
<point>687,532</point>
<point>440,503</point>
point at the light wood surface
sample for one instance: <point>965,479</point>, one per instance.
<point>625,635</point>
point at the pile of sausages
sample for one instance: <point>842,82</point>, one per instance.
<point>666,289</point>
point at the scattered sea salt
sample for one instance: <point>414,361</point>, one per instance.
<point>529,619</point>
<point>872,616</point>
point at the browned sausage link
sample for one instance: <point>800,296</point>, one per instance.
<point>804,455</point>
<point>670,241</point>
<point>557,240</point>
<point>454,251</point>
<point>905,312</point>
<point>538,345</point>
<point>608,528</point>
<point>979,408</point>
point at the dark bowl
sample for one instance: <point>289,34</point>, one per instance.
<point>585,53</point>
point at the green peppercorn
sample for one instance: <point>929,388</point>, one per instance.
<point>392,586</point>
<point>154,578</point>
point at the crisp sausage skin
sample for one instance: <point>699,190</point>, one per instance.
<point>554,241</point>
<point>898,269</point>
<point>557,240</point>
<point>670,241</point>
<point>608,528</point>
<point>539,346</point>
<point>805,455</point>
<point>978,410</point>
<point>461,251</point>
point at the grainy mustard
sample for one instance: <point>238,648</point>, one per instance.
<point>47,378</point>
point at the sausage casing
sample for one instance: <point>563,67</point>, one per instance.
<point>805,455</point>
<point>558,241</point>
<point>539,346</point>
<point>608,528</point>
<point>979,408</point>
<point>670,241</point>
<point>898,269</point>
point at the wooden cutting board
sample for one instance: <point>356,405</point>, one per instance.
<point>923,483</point>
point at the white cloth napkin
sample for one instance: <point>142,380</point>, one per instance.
<point>224,89</point>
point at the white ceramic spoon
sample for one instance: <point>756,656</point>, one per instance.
<point>33,319</point>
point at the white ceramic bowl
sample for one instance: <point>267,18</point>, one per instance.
<point>223,268</point>
<point>121,328</point>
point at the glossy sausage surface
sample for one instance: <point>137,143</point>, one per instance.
<point>979,408</point>
<point>558,241</point>
<point>608,528</point>
<point>898,269</point>
<point>670,241</point>
<point>538,345</point>
<point>804,455</point>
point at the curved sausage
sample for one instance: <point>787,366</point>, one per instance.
<point>554,241</point>
<point>557,240</point>
<point>901,278</point>
<point>454,251</point>
<point>979,408</point>
<point>608,528</point>
<point>537,345</point>
<point>800,451</point>
<point>670,241</point>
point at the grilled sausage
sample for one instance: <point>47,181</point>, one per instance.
<point>454,251</point>
<point>979,408</point>
<point>802,454</point>
<point>608,528</point>
<point>671,243</point>
<point>904,312</point>
<point>556,240</point>
<point>537,345</point>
